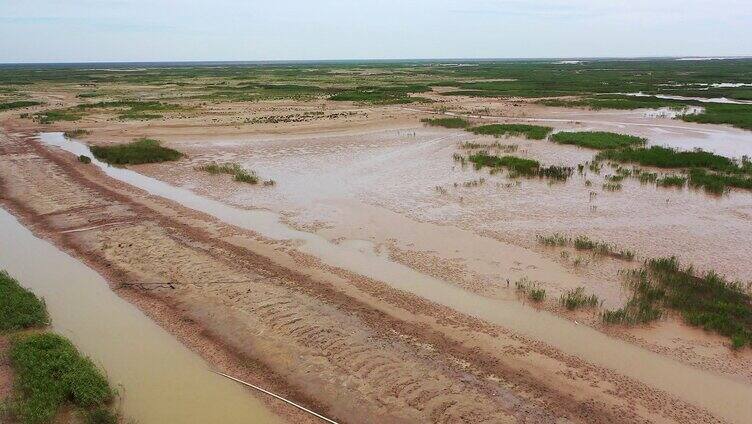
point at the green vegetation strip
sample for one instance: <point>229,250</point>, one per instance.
<point>584,243</point>
<point>143,150</point>
<point>49,371</point>
<point>17,105</point>
<point>19,308</point>
<point>709,171</point>
<point>518,166</point>
<point>598,140</point>
<point>533,132</point>
<point>707,301</point>
<point>739,116</point>
<point>446,122</point>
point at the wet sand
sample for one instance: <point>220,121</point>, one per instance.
<point>157,378</point>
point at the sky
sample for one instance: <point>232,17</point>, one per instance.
<point>208,30</point>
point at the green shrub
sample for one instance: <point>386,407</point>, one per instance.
<point>143,150</point>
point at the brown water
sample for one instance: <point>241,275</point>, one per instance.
<point>159,380</point>
<point>722,396</point>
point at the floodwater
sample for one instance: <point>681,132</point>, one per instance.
<point>697,99</point>
<point>725,397</point>
<point>157,378</point>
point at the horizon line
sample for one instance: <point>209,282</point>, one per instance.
<point>435,59</point>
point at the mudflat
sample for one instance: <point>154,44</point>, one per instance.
<point>379,279</point>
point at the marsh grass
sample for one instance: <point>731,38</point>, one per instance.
<point>576,299</point>
<point>142,150</point>
<point>665,157</point>
<point>520,166</point>
<point>716,183</point>
<point>531,290</point>
<point>715,113</point>
<point>19,308</point>
<point>533,132</point>
<point>611,186</point>
<point>49,372</point>
<point>704,300</point>
<point>584,243</point>
<point>446,122</point>
<point>505,148</point>
<point>598,139</point>
<point>18,104</point>
<point>55,115</point>
<point>602,248</point>
<point>672,181</point>
<point>239,174</point>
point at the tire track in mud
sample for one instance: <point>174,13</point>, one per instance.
<point>326,344</point>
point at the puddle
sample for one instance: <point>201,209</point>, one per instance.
<point>697,99</point>
<point>722,396</point>
<point>159,380</point>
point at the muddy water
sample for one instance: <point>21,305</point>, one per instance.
<point>722,396</point>
<point>159,380</point>
<point>656,125</point>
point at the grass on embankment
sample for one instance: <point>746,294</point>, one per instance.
<point>533,132</point>
<point>446,122</point>
<point>143,150</point>
<point>49,372</point>
<point>19,308</point>
<point>598,140</point>
<point>708,301</point>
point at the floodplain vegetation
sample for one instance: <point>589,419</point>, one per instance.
<point>446,122</point>
<point>531,290</point>
<point>597,139</point>
<point>140,151</point>
<point>49,373</point>
<point>711,172</point>
<point>585,243</point>
<point>238,173</point>
<point>532,132</point>
<point>707,300</point>
<point>519,166</point>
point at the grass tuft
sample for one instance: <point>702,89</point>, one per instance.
<point>576,298</point>
<point>532,132</point>
<point>143,150</point>
<point>239,174</point>
<point>446,122</point>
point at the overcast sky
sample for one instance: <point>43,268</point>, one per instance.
<point>155,30</point>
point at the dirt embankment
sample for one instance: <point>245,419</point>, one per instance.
<point>348,346</point>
